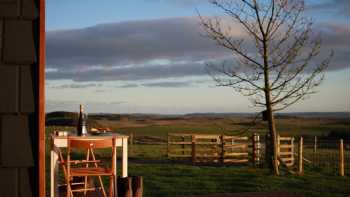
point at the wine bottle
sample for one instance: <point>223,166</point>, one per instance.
<point>81,127</point>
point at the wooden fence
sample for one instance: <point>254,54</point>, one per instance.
<point>226,149</point>
<point>286,150</point>
<point>328,154</point>
<point>214,148</point>
<point>294,154</point>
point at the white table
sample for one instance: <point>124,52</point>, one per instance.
<point>61,142</point>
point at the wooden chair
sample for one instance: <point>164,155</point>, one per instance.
<point>90,166</point>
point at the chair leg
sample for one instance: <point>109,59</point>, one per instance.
<point>86,178</point>
<point>111,186</point>
<point>102,187</point>
<point>69,192</point>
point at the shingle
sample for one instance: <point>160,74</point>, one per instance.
<point>8,10</point>
<point>25,178</point>
<point>16,146</point>
<point>7,1</point>
<point>19,42</point>
<point>29,9</point>
<point>8,182</point>
<point>9,89</point>
<point>1,22</point>
<point>27,92</point>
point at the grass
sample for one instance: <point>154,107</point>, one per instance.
<point>167,180</point>
<point>164,178</point>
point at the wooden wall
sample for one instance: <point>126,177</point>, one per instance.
<point>19,98</point>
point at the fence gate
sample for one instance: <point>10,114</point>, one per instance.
<point>286,150</point>
<point>180,145</point>
<point>206,148</point>
<point>235,149</point>
<point>211,148</point>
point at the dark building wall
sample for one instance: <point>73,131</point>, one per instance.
<point>19,44</point>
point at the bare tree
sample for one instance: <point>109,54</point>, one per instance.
<point>276,63</point>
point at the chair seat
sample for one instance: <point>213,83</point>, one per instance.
<point>90,171</point>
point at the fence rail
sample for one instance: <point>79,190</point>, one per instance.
<point>214,148</point>
<point>315,153</point>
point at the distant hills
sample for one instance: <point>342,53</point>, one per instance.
<point>70,118</point>
<point>289,114</point>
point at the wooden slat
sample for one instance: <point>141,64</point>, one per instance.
<point>179,143</point>
<point>235,154</point>
<point>206,160</point>
<point>225,137</point>
<point>286,146</point>
<point>207,137</point>
<point>287,159</point>
<point>236,145</point>
<point>236,160</point>
<point>286,153</point>
<point>286,138</point>
<point>207,143</point>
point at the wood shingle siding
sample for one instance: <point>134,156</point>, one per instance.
<point>16,146</point>
<point>19,98</point>
<point>19,42</point>
<point>9,89</point>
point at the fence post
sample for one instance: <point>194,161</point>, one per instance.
<point>183,145</point>
<point>293,157</point>
<point>268,150</point>
<point>278,148</point>
<point>193,149</point>
<point>222,149</point>
<point>168,146</point>
<point>131,140</point>
<point>300,156</point>
<point>256,149</point>
<point>315,144</point>
<point>341,158</point>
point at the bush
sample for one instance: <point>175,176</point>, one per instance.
<point>336,134</point>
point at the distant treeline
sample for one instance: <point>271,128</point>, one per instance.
<point>63,118</point>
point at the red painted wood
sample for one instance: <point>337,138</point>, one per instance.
<point>42,98</point>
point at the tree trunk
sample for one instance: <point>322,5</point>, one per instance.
<point>269,111</point>
<point>273,133</point>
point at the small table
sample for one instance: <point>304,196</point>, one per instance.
<point>61,142</point>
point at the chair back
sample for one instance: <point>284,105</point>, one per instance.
<point>90,144</point>
<point>82,143</point>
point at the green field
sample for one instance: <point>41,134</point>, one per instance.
<point>165,177</point>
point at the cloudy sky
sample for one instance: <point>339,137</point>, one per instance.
<point>148,56</point>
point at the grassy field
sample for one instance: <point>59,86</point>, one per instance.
<point>164,177</point>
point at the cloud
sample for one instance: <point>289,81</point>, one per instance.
<point>128,86</point>
<point>168,84</point>
<point>90,106</point>
<point>336,37</point>
<point>132,73</point>
<point>341,7</point>
<point>161,84</point>
<point>75,86</point>
<point>181,2</point>
<point>153,49</point>
<point>129,43</point>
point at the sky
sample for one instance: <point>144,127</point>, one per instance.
<point>148,56</point>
